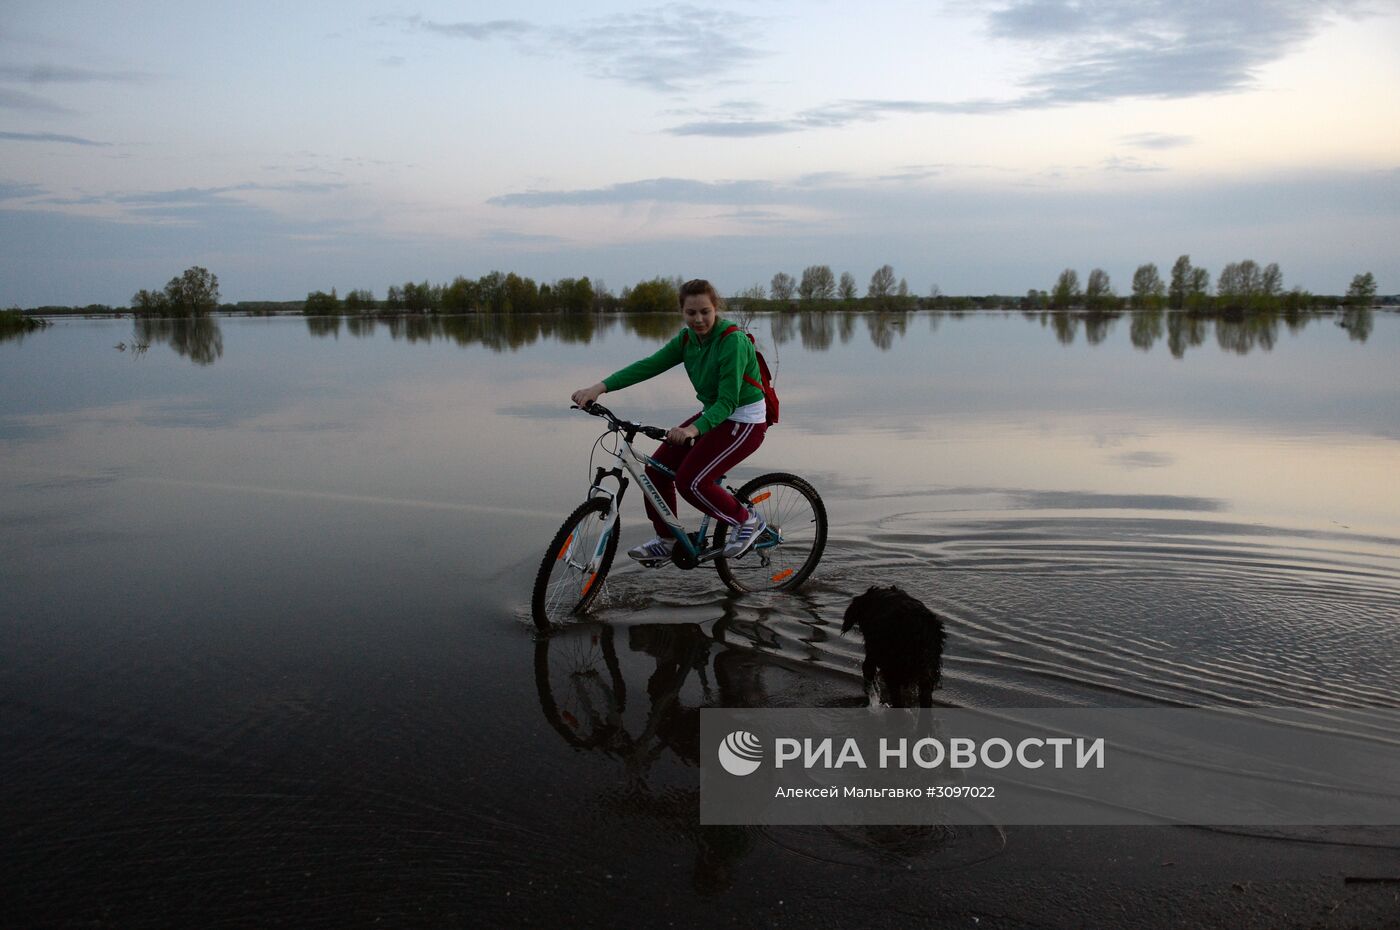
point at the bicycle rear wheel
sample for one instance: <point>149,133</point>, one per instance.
<point>789,549</point>
<point>569,579</point>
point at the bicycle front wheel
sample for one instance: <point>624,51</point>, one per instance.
<point>575,564</point>
<point>789,549</point>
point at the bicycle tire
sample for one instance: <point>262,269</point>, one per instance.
<point>795,515</point>
<point>561,589</point>
<point>582,701</point>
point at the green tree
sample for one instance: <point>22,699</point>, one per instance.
<point>1197,291</point>
<point>846,290</point>
<point>148,303</point>
<point>1065,293</point>
<point>1271,283</point>
<point>417,298</point>
<point>393,299</point>
<point>1098,292</point>
<point>522,293</point>
<point>1240,286</point>
<point>658,295</point>
<point>1181,283</point>
<point>818,283</point>
<point>194,293</point>
<point>783,287</point>
<point>882,283</point>
<point>359,301</point>
<point>573,296</point>
<point>319,303</point>
<point>1362,291</point>
<point>491,292</point>
<point>1148,289</point>
<point>459,296</point>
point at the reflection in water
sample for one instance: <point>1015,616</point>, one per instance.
<point>818,331</point>
<point>197,338</point>
<point>885,326</point>
<point>592,696</point>
<point>360,325</point>
<point>1146,329</point>
<point>583,692</point>
<point>1185,331</point>
<point>1358,321</point>
<point>1097,326</point>
<point>1065,326</point>
<point>324,326</point>
<point>1240,334</point>
<point>782,327</point>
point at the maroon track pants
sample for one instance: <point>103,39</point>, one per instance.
<point>697,467</point>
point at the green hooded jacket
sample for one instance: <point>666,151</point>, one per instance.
<point>717,367</point>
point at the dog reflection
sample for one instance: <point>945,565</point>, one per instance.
<point>903,646</point>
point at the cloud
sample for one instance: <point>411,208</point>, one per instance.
<point>664,190</point>
<point>48,137</point>
<point>1097,51</point>
<point>1158,48</point>
<point>481,32</point>
<point>667,49</point>
<point>513,237</point>
<point>61,74</point>
<point>1157,140</point>
<point>735,129</point>
<point>186,202</point>
<point>1129,164</point>
<point>836,115</point>
<point>1146,459</point>
<point>33,103</point>
<point>15,190</point>
<point>913,173</point>
<point>206,195</point>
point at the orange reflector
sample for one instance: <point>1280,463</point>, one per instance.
<point>565,548</point>
<point>591,578</point>
<point>761,498</point>
<point>781,575</point>
<point>569,718</point>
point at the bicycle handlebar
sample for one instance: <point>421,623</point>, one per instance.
<point>598,410</point>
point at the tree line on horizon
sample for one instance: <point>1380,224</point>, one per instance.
<point>1242,286</point>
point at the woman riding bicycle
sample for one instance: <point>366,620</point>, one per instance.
<point>726,377</point>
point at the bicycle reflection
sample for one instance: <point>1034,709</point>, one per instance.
<point>641,705</point>
<point>583,690</point>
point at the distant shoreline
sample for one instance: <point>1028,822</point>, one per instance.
<point>233,311</point>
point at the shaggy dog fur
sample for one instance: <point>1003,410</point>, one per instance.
<point>903,646</point>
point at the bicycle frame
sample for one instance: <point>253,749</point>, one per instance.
<point>635,463</point>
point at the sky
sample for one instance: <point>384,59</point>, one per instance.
<point>976,147</point>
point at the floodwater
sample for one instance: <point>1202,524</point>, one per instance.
<point>267,656</point>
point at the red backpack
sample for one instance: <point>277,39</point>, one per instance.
<point>770,396</point>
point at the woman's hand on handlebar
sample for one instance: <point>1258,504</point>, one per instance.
<point>586,396</point>
<point>680,435</point>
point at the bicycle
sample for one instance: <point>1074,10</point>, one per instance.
<point>581,553</point>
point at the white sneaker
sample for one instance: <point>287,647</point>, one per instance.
<point>745,535</point>
<point>652,551</point>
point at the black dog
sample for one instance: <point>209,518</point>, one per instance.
<point>903,645</point>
